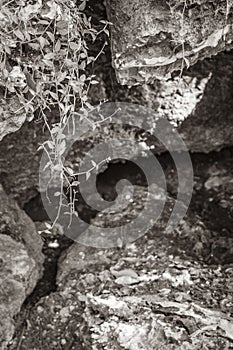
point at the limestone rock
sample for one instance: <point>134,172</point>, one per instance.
<point>12,115</point>
<point>151,40</point>
<point>159,309</point>
<point>19,274</point>
<point>21,262</point>
<point>205,121</point>
<point>15,223</point>
<point>157,292</point>
<point>19,161</point>
<point>199,103</point>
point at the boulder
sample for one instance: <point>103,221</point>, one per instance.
<point>198,103</point>
<point>21,263</point>
<point>151,40</point>
<point>12,115</point>
<point>157,292</point>
<point>139,297</point>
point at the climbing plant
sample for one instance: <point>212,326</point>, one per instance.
<point>44,60</point>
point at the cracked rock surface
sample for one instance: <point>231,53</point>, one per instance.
<point>21,263</point>
<point>151,40</point>
<point>166,290</point>
<point>140,297</point>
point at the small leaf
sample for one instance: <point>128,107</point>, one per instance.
<point>51,36</point>
<point>54,96</point>
<point>48,56</point>
<point>62,147</point>
<point>187,62</point>
<point>94,82</point>
<point>63,31</point>
<point>34,46</point>
<point>48,225</point>
<point>49,64</point>
<point>58,46</point>
<point>82,65</point>
<point>7,49</point>
<point>69,171</point>
<point>61,76</point>
<point>42,41</point>
<point>83,55</point>
<point>82,6</point>
<point>88,174</point>
<point>43,21</point>
<point>50,144</point>
<point>125,272</point>
<point>55,129</point>
<point>74,46</point>
<point>19,34</point>
<point>82,77</point>
<point>58,167</point>
<point>127,280</point>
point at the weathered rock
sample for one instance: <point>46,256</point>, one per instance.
<point>21,262</point>
<point>204,121</point>
<point>199,103</point>
<point>151,40</point>
<point>15,223</point>
<point>12,115</point>
<point>18,276</point>
<point>154,293</point>
<point>154,329</point>
<point>19,161</point>
<point>158,299</point>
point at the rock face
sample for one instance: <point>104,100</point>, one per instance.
<point>164,291</point>
<point>21,262</point>
<point>203,119</point>
<point>151,40</point>
<point>199,103</point>
<point>19,161</point>
<point>141,297</point>
<point>12,115</point>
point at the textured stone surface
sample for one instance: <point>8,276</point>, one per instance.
<point>204,120</point>
<point>12,115</point>
<point>176,288</point>
<point>15,223</point>
<point>141,297</point>
<point>200,103</point>
<point>18,276</point>
<point>151,40</point>
<point>21,262</point>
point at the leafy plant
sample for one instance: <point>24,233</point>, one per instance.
<point>44,60</point>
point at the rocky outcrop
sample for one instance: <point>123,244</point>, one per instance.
<point>21,263</point>
<point>141,297</point>
<point>199,103</point>
<point>163,291</point>
<point>151,40</point>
